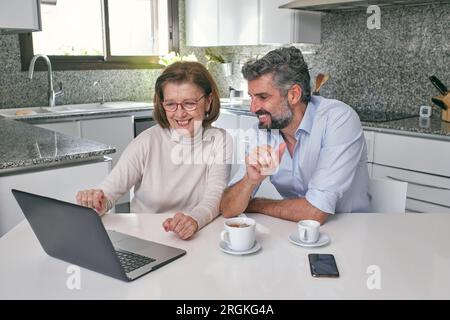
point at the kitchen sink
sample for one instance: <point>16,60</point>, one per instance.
<point>87,108</point>
<point>79,107</point>
<point>20,112</point>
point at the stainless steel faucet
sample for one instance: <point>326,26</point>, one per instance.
<point>97,83</point>
<point>51,93</point>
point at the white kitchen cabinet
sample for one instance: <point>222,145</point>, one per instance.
<point>236,125</point>
<point>421,162</point>
<point>221,22</point>
<point>117,132</point>
<point>247,122</point>
<point>70,128</point>
<point>20,15</point>
<point>202,23</point>
<point>230,122</point>
<point>246,125</point>
<point>266,189</point>
<point>238,22</point>
<point>249,22</point>
<point>426,192</point>
<point>412,153</point>
<point>286,25</point>
<point>66,181</point>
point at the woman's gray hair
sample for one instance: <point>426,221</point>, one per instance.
<point>288,68</point>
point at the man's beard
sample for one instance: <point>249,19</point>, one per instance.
<point>280,122</point>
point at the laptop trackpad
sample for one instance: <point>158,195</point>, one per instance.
<point>132,244</point>
<point>115,236</point>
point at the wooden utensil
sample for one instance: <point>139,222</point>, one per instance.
<point>321,79</point>
<point>444,103</point>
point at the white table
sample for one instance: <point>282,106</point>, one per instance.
<point>411,250</point>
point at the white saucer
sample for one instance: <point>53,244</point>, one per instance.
<point>323,240</point>
<point>224,247</point>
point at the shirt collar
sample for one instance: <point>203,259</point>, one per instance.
<point>308,119</point>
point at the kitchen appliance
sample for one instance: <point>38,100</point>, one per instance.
<point>142,124</point>
<point>443,100</point>
<point>425,112</point>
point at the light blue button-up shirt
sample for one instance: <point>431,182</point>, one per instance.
<point>329,163</point>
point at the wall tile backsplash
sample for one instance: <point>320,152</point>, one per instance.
<point>385,69</point>
<point>16,90</point>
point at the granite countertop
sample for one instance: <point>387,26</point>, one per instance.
<point>415,126</point>
<point>26,146</point>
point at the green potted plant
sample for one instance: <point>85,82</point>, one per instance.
<point>214,57</point>
<point>173,56</point>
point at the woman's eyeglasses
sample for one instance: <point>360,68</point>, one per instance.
<point>188,105</point>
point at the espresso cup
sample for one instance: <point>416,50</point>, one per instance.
<point>308,231</point>
<point>239,233</point>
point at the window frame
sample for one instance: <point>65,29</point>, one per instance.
<point>107,62</point>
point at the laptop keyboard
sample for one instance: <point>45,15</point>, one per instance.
<point>132,261</point>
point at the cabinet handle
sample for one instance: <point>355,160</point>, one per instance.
<point>418,184</point>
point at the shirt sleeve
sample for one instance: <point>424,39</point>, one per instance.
<point>127,171</point>
<point>343,145</point>
<point>218,174</point>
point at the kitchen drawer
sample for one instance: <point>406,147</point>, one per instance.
<point>418,154</point>
<point>433,191</point>
<point>417,206</point>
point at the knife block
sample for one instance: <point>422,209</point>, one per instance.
<point>446,100</point>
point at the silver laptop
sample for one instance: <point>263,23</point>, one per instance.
<point>76,235</point>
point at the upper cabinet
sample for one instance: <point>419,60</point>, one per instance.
<point>249,22</point>
<point>20,16</point>
<point>287,26</point>
<point>238,22</point>
<point>202,23</point>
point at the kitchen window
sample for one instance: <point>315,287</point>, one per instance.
<point>103,34</point>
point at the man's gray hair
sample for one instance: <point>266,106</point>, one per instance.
<point>288,68</point>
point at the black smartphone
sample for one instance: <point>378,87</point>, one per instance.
<point>323,265</point>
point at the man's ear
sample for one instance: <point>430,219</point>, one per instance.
<point>295,94</point>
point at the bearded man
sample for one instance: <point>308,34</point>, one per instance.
<point>316,156</point>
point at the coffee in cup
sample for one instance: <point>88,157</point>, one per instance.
<point>308,231</point>
<point>237,225</point>
<point>239,233</point>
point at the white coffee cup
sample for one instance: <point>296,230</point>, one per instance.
<point>239,233</point>
<point>308,231</point>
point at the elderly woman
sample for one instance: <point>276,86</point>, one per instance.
<point>179,166</point>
